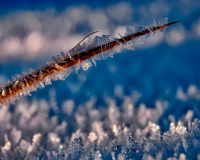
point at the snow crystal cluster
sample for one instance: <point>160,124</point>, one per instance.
<point>90,43</point>
<point>128,130</point>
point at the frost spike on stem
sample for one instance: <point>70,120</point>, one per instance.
<point>42,84</point>
<point>26,82</point>
<point>15,84</point>
<point>150,30</point>
<point>40,73</point>
<point>31,78</point>
<point>46,73</point>
<point>3,92</point>
<point>58,67</point>
<point>10,91</point>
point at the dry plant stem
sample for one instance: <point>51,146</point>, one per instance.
<point>16,87</point>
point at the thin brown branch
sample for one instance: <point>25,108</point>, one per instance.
<point>24,84</point>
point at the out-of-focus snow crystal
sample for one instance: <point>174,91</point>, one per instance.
<point>92,136</point>
<point>53,140</point>
<point>126,128</point>
<point>68,106</point>
<point>129,131</point>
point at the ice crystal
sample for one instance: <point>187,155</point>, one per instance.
<point>112,132</point>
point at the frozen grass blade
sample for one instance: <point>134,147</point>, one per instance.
<point>60,67</point>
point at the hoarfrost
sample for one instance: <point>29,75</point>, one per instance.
<point>126,133</point>
<point>86,64</point>
<point>60,66</point>
<point>67,107</point>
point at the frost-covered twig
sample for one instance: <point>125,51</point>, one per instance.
<point>60,67</point>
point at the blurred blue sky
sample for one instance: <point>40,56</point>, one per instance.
<point>60,5</point>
